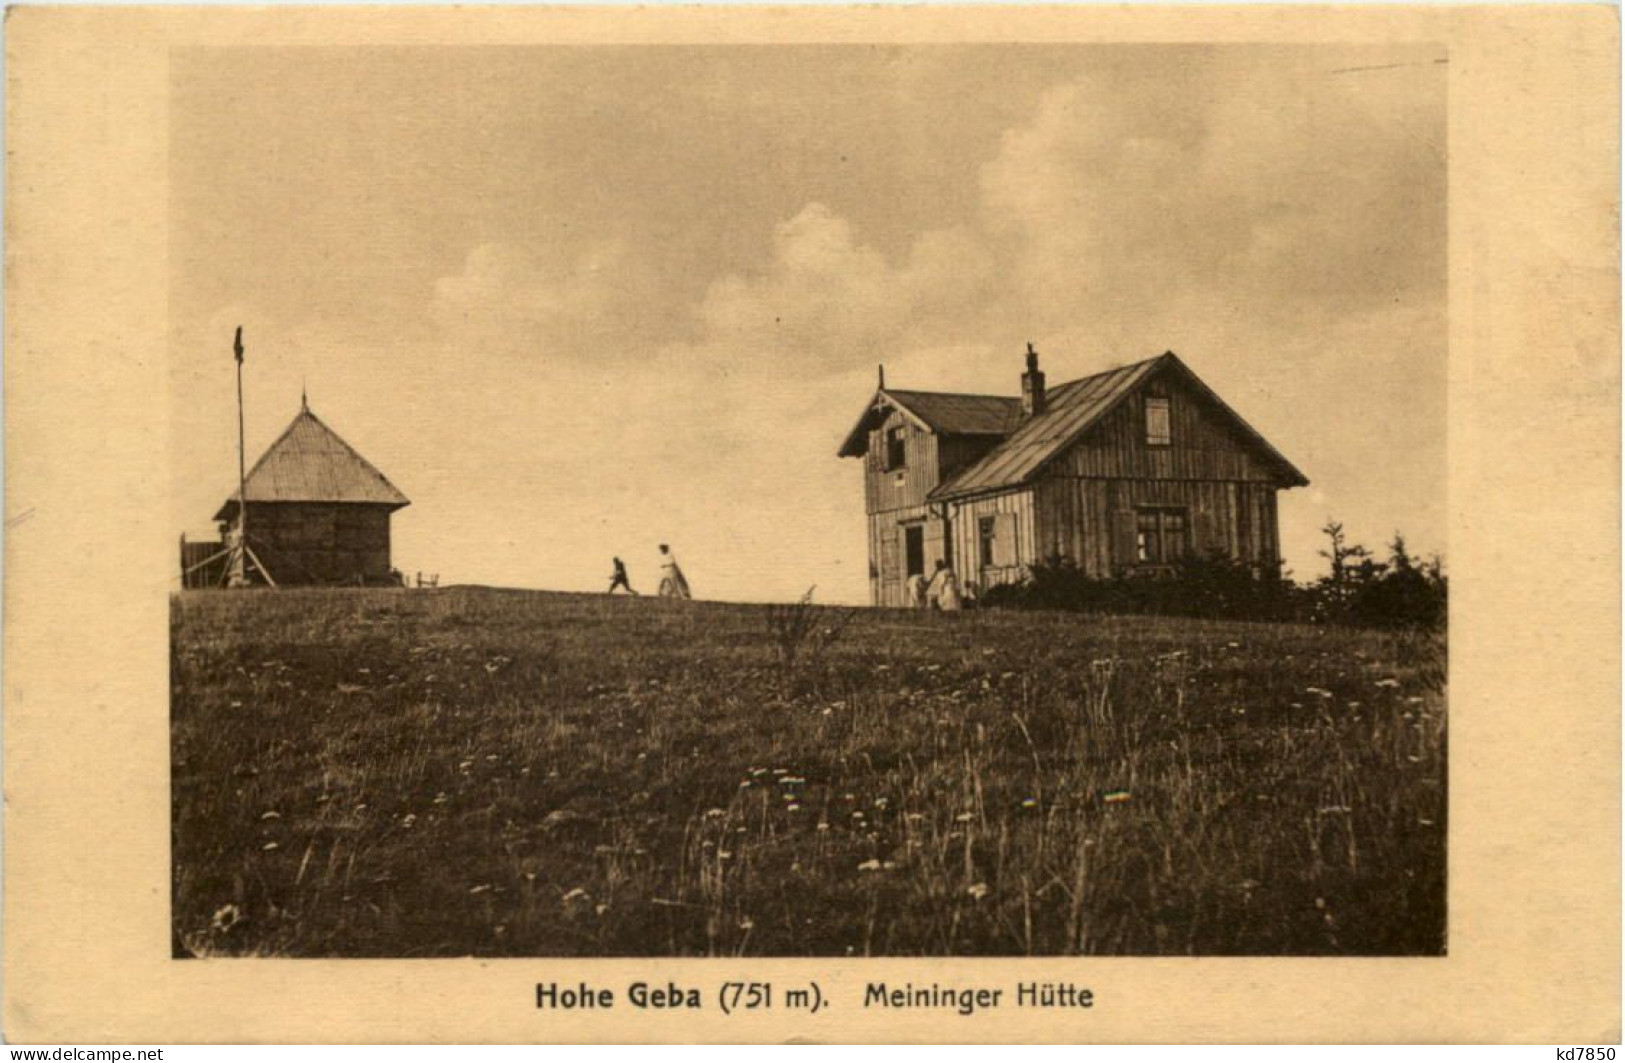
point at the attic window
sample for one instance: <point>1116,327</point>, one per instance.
<point>896,449</point>
<point>1158,427</point>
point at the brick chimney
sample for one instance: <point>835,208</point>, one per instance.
<point>1032,386</point>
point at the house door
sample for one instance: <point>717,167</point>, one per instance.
<point>913,550</point>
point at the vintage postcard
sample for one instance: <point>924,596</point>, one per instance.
<point>1050,524</point>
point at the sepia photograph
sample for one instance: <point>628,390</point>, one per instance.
<point>731,524</point>
<point>829,500</point>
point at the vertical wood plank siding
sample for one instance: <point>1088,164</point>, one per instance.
<point>1224,481</point>
<point>320,542</point>
<point>1073,517</point>
<point>965,519</point>
<point>1203,447</point>
<point>908,486</point>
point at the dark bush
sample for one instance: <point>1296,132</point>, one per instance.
<point>1359,591</point>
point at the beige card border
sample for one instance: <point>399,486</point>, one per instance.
<point>1534,492</point>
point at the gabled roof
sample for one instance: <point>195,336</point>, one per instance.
<point>1070,411</point>
<point>938,411</point>
<point>310,463</point>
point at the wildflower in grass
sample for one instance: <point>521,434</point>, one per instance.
<point>978,891</point>
<point>715,813</point>
<point>1318,691</point>
<point>271,815</point>
<point>792,808</point>
<point>1335,810</point>
<point>1029,802</point>
<point>829,712</point>
<point>823,825</point>
<point>881,802</point>
<point>490,756</point>
<point>268,847</point>
<point>1116,797</point>
<point>747,923</point>
<point>724,854</point>
<point>1389,683</point>
<point>744,784</point>
<point>964,817</point>
<point>484,887</point>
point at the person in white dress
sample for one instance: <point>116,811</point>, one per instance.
<point>673,584</point>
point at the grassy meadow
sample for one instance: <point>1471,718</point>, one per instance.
<point>505,773</point>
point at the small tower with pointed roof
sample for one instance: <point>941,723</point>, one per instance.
<point>318,512</point>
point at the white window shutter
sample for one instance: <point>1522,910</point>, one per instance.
<point>1004,540</point>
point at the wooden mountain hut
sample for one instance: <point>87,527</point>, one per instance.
<point>318,512</point>
<point>1123,473</point>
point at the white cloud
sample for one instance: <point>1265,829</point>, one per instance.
<point>509,300</point>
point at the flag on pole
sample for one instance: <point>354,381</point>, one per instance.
<point>237,345</point>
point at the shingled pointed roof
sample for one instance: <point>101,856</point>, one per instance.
<point>310,463</point>
<point>939,411</point>
<point>1071,410</point>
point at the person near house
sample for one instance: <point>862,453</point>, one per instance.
<point>618,578</point>
<point>673,584</point>
<point>943,592</point>
<point>915,588</point>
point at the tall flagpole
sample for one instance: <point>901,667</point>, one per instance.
<point>242,466</point>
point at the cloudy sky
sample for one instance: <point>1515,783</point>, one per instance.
<point>579,301</point>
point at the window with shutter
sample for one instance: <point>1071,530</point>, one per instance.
<point>986,532</point>
<point>1161,535</point>
<point>1158,424</point>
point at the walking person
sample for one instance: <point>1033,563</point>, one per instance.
<point>673,584</point>
<point>618,578</point>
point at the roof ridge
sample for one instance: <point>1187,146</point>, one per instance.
<point>306,411</point>
<point>285,448</point>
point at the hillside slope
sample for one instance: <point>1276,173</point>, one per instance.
<point>471,771</point>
